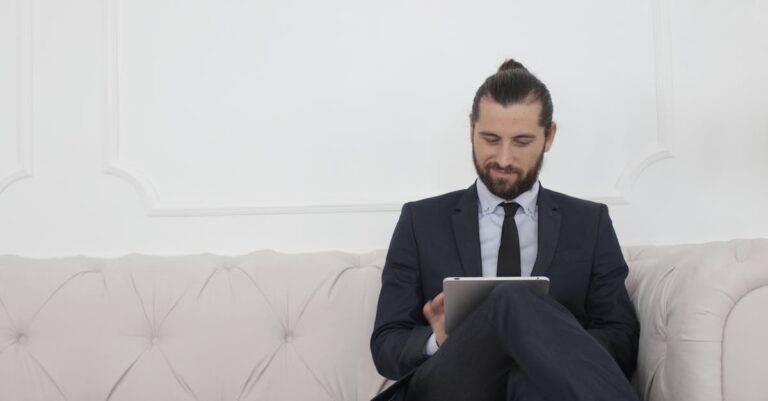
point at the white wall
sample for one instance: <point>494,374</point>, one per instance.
<point>228,126</point>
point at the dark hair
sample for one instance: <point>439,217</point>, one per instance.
<point>513,83</point>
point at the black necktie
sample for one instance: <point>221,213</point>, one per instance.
<point>508,263</point>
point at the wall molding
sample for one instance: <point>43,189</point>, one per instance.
<point>156,205</point>
<point>664,101</point>
<point>24,151</point>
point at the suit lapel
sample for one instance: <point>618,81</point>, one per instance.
<point>467,232</point>
<point>549,229</point>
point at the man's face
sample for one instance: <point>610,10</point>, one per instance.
<point>508,146</point>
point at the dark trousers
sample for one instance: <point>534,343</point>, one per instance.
<point>520,345</point>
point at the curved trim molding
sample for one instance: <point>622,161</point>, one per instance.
<point>155,205</point>
<point>24,153</point>
<point>664,101</point>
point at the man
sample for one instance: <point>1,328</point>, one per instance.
<point>577,343</point>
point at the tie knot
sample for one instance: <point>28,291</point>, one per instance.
<point>510,208</point>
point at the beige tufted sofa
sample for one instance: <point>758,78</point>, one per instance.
<point>271,326</point>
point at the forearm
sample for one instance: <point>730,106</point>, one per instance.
<point>613,321</point>
<point>621,343</point>
<point>398,351</point>
<point>400,330</point>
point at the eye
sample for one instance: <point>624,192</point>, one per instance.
<point>523,141</point>
<point>491,138</point>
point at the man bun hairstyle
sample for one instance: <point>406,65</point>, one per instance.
<point>510,65</point>
<point>511,84</point>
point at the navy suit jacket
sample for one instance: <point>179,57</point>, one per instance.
<point>439,237</point>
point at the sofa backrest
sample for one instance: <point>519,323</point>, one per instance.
<point>271,326</point>
<point>703,320</point>
<point>264,326</point>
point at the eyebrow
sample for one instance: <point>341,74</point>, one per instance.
<point>484,133</point>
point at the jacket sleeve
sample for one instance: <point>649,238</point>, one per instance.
<point>612,318</point>
<point>400,329</point>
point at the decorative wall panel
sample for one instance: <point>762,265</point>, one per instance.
<point>252,108</point>
<point>16,93</point>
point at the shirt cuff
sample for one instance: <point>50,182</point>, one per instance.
<point>431,346</point>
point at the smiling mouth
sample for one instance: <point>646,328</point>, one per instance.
<point>503,172</point>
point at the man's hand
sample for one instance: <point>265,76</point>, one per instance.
<point>434,311</point>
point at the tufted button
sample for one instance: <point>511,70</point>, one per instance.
<point>228,267</point>
<point>288,338</point>
<point>21,339</point>
<point>155,341</point>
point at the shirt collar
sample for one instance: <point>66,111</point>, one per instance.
<point>489,202</point>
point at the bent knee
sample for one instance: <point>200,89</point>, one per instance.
<point>512,291</point>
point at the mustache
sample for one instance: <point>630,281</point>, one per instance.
<point>505,169</point>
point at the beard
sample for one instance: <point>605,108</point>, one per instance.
<point>502,187</point>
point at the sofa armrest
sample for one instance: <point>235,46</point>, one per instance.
<point>703,320</point>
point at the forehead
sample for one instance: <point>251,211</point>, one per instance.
<point>512,118</point>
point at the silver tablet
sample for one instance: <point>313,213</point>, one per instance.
<point>464,294</point>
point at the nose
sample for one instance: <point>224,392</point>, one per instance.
<point>505,157</point>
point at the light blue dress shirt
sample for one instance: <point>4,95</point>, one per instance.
<point>490,219</point>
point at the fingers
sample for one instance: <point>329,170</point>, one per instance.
<point>427,310</point>
<point>434,311</point>
<point>439,300</point>
<point>434,307</point>
<point>438,304</point>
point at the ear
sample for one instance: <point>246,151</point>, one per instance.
<point>551,138</point>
